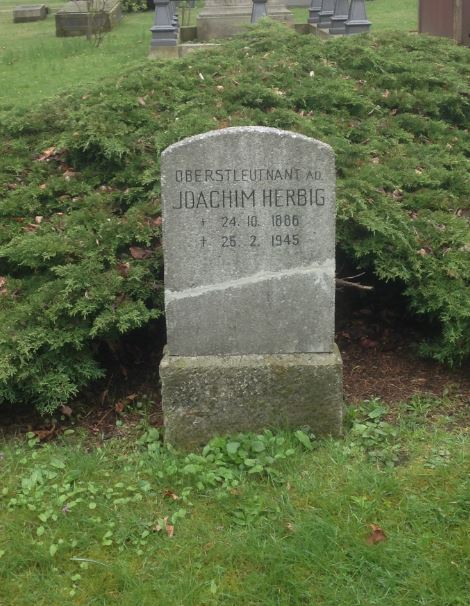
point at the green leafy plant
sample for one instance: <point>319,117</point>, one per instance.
<point>373,435</point>
<point>80,250</point>
<point>134,6</point>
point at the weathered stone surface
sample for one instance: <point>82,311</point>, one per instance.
<point>249,238</point>
<point>225,18</point>
<point>74,18</point>
<point>209,395</point>
<point>339,17</point>
<point>164,30</point>
<point>28,13</point>
<point>298,3</point>
<point>249,243</point>
<point>357,22</point>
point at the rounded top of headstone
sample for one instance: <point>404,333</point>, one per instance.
<point>240,131</point>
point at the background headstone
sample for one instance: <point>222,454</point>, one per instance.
<point>224,18</point>
<point>297,3</point>
<point>249,246</point>
<point>28,13</point>
<point>75,19</point>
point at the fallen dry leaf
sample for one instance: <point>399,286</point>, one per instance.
<point>424,251</point>
<point>68,174</point>
<point>171,495</point>
<point>368,343</point>
<point>377,535</point>
<point>47,153</point>
<point>170,530</point>
<point>119,407</point>
<point>123,269</point>
<point>30,227</point>
<point>140,253</point>
<point>45,434</point>
<point>66,410</point>
<point>141,101</point>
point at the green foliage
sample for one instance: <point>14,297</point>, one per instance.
<point>84,523</point>
<point>223,462</point>
<point>134,6</point>
<point>374,436</point>
<point>80,254</point>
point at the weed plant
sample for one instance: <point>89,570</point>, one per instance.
<point>274,518</point>
<point>80,250</point>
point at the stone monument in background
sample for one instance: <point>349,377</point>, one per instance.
<point>224,18</point>
<point>249,247</point>
<point>27,13</point>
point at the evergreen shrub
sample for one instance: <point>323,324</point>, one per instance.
<point>134,6</point>
<point>80,251</point>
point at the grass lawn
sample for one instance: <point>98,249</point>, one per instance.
<point>92,524</point>
<point>34,64</point>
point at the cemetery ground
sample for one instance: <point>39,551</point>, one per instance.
<point>379,517</point>
<point>35,65</point>
<point>94,509</point>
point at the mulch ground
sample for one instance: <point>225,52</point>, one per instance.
<point>379,357</point>
<point>380,360</point>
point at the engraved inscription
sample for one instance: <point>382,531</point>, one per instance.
<point>273,207</point>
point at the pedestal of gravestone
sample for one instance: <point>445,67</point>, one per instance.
<point>249,247</point>
<point>225,18</point>
<point>80,18</point>
<point>28,13</point>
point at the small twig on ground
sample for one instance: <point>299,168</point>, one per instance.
<point>342,282</point>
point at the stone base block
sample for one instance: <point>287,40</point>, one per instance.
<point>164,52</point>
<point>73,19</point>
<point>216,395</point>
<point>322,32</point>
<point>226,22</point>
<point>298,3</point>
<point>29,13</point>
<point>192,48</point>
<point>210,27</point>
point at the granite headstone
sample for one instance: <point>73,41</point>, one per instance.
<point>27,13</point>
<point>224,18</point>
<point>249,247</point>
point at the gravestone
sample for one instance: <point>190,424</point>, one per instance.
<point>225,18</point>
<point>75,18</point>
<point>249,247</point>
<point>28,13</point>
